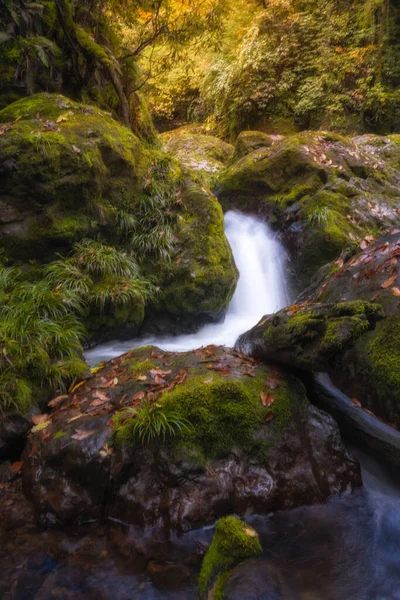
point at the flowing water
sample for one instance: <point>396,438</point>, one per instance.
<point>347,549</point>
<point>261,289</point>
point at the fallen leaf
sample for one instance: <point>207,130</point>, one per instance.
<point>269,416</point>
<point>61,119</point>
<point>36,420</point>
<point>396,292</point>
<point>34,449</point>
<point>167,363</point>
<point>389,282</point>
<point>267,399</point>
<point>363,244</point>
<point>272,382</point>
<point>40,427</point>
<point>138,396</point>
<point>57,401</point>
<point>78,385</point>
<point>17,466</point>
<point>141,378</point>
<point>82,434</point>
<point>209,366</point>
<point>96,403</point>
<point>225,372</point>
<point>356,402</point>
<point>76,149</point>
<point>95,370</point>
<point>115,381</point>
<point>209,380</point>
<point>159,372</point>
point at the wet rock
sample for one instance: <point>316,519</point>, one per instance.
<point>169,576</point>
<point>348,326</point>
<point>247,440</point>
<point>13,432</point>
<point>324,192</point>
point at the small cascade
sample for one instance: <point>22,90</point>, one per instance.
<point>261,290</point>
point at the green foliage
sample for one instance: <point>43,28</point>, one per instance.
<point>320,215</point>
<point>41,329</point>
<point>40,340</point>
<point>233,541</point>
<point>151,423</point>
<point>312,64</point>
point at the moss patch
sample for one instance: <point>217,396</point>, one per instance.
<point>233,541</point>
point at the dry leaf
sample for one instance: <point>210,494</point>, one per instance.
<point>76,149</point>
<point>17,466</point>
<point>40,419</point>
<point>396,292</point>
<point>356,402</point>
<point>269,416</point>
<point>389,282</point>
<point>82,434</point>
<point>209,380</point>
<point>57,401</point>
<point>115,381</point>
<point>78,385</point>
<point>141,378</point>
<point>267,399</point>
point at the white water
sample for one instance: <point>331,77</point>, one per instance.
<point>261,290</point>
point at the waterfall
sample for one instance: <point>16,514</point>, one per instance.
<point>261,290</point>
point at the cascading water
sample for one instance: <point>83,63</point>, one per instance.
<point>261,290</point>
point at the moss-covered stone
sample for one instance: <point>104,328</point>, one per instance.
<point>200,280</point>
<point>204,155</point>
<point>309,337</point>
<point>368,369</point>
<point>218,399</point>
<point>324,191</point>
<point>69,171</point>
<point>233,541</point>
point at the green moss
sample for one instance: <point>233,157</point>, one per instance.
<point>383,359</point>
<point>233,541</point>
<point>141,368</point>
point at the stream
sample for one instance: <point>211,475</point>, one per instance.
<point>261,289</point>
<point>347,549</point>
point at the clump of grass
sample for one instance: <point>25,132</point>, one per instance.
<point>151,423</point>
<point>322,215</point>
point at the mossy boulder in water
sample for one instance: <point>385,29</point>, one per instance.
<point>233,541</point>
<point>325,192</point>
<point>183,439</point>
<point>349,326</point>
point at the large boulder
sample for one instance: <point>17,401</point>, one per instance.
<point>69,171</point>
<point>238,437</point>
<point>348,326</point>
<point>324,191</point>
<point>204,155</point>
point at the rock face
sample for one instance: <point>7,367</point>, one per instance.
<point>324,191</point>
<point>69,171</point>
<point>349,326</point>
<point>204,155</point>
<point>245,440</point>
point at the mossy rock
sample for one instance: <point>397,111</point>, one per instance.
<point>369,371</point>
<point>233,541</point>
<point>184,439</point>
<point>309,337</point>
<point>250,141</point>
<point>60,162</point>
<point>204,155</point>
<point>325,192</point>
<point>67,171</point>
<point>199,282</point>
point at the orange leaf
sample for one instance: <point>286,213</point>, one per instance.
<point>56,401</point>
<point>209,366</point>
<point>269,416</point>
<point>356,402</point>
<point>389,282</point>
<point>267,399</point>
<point>17,466</point>
<point>138,396</point>
<point>38,419</point>
<point>396,292</point>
